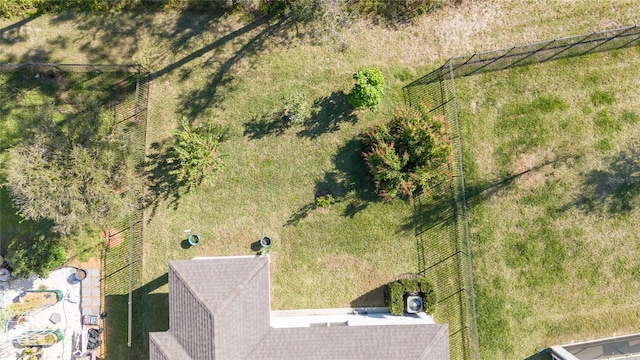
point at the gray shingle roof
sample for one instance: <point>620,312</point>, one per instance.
<point>357,342</point>
<point>219,308</point>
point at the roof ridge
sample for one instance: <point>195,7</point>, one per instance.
<point>192,289</point>
<point>442,331</point>
<point>164,346</point>
<point>255,270</point>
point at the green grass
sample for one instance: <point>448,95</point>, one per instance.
<point>235,72</point>
<point>552,176</point>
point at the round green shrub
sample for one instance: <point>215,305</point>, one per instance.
<point>368,89</point>
<point>296,108</point>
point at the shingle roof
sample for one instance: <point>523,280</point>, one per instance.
<point>357,342</point>
<point>220,309</point>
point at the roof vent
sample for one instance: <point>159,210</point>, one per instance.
<point>414,304</point>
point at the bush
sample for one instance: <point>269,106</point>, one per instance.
<point>368,89</point>
<point>400,8</point>
<point>408,155</point>
<point>197,153</point>
<point>296,108</point>
<point>38,258</point>
<point>420,286</point>
<point>325,201</point>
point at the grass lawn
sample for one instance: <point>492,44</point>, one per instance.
<point>234,71</point>
<point>553,177</point>
<point>274,170</point>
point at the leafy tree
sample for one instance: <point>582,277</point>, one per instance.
<point>197,152</point>
<point>73,172</point>
<point>368,89</point>
<point>39,257</point>
<point>408,154</point>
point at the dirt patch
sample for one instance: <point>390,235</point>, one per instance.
<point>527,170</point>
<point>92,263</point>
<point>113,237</point>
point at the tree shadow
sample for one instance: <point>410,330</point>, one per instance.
<point>194,102</point>
<point>300,214</point>
<point>348,182</point>
<point>12,33</point>
<point>432,210</point>
<point>210,47</point>
<point>266,124</point>
<point>329,112</point>
<point>163,182</point>
<point>352,180</point>
<point>478,190</point>
<point>613,190</point>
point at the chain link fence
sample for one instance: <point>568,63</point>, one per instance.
<point>441,220</point>
<point>126,90</point>
<point>441,226</point>
<point>122,259</point>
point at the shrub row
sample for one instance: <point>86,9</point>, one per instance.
<point>420,286</point>
<point>300,9</point>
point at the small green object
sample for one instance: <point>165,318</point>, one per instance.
<point>325,201</point>
<point>265,242</point>
<point>194,239</point>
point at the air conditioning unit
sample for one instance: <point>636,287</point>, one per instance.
<point>414,304</point>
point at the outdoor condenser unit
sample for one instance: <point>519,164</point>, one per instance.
<point>414,304</point>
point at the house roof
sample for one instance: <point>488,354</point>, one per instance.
<point>219,308</point>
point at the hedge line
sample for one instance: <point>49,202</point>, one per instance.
<point>384,8</point>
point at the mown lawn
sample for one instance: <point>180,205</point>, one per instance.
<point>234,71</point>
<point>553,178</point>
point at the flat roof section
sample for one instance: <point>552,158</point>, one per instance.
<point>621,347</point>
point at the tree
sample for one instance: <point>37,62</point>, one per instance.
<point>197,152</point>
<point>408,154</point>
<point>35,257</point>
<point>73,172</point>
<point>368,89</point>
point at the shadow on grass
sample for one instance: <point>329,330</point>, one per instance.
<point>478,190</point>
<point>542,355</point>
<point>615,189</point>
<point>372,298</point>
<point>436,208</point>
<point>348,182</point>
<point>194,102</point>
<point>328,113</point>
<point>300,214</point>
<point>266,124</point>
<point>12,33</point>
<point>163,183</point>
<point>150,313</point>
